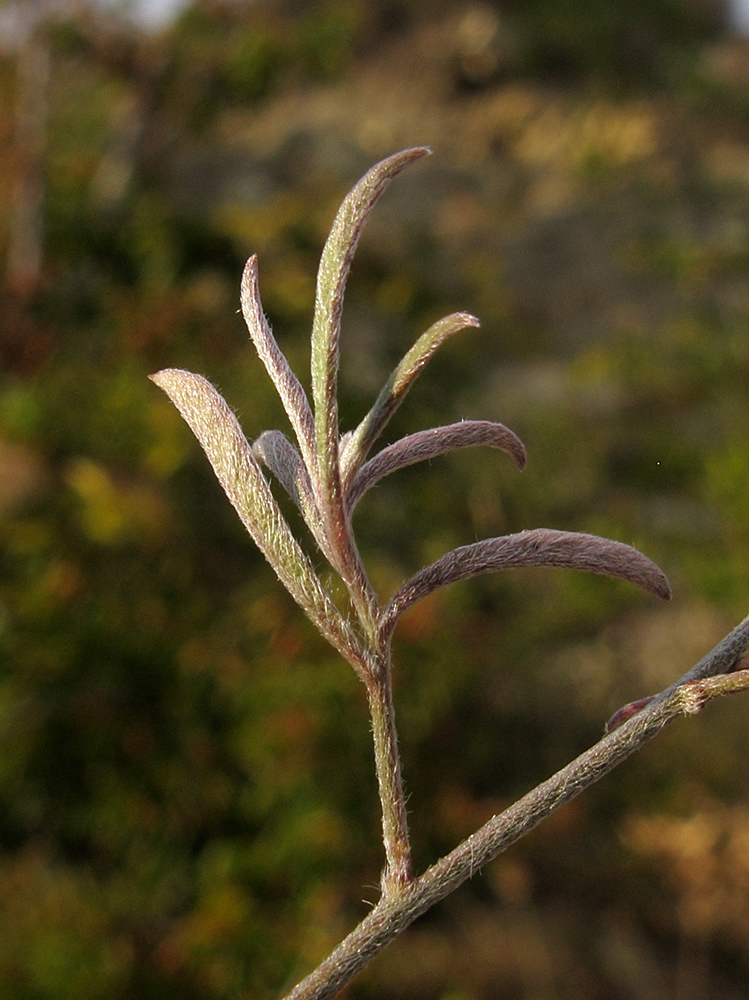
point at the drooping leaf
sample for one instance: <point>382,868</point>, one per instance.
<point>539,547</point>
<point>360,441</point>
<point>427,444</point>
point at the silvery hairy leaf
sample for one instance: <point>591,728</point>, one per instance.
<point>288,386</point>
<point>219,434</point>
<point>539,547</point>
<point>275,451</point>
<point>359,442</point>
<point>427,444</point>
<point>332,275</point>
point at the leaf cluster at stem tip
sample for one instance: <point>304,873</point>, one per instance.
<point>326,473</point>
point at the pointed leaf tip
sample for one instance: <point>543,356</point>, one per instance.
<point>218,432</point>
<point>288,386</point>
<point>360,441</point>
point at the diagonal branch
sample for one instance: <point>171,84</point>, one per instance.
<point>726,657</point>
<point>393,914</point>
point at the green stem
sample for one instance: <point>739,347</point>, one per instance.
<point>398,872</point>
<point>404,904</point>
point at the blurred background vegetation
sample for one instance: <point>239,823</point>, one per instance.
<point>187,800</point>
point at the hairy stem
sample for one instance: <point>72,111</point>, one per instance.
<point>387,762</point>
<point>726,657</point>
<point>714,676</point>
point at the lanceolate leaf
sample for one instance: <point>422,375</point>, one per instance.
<point>287,385</point>
<point>540,547</point>
<point>228,451</point>
<point>360,441</point>
<point>275,451</point>
<point>427,444</point>
<point>331,282</point>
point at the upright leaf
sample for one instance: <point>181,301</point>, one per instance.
<point>360,441</point>
<point>227,449</point>
<point>331,283</point>
<point>288,386</point>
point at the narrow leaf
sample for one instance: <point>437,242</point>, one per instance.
<point>331,283</point>
<point>540,547</point>
<point>227,449</point>
<point>288,386</point>
<point>275,451</point>
<point>359,442</point>
<point>427,444</point>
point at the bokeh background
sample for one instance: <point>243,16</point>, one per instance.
<point>187,801</point>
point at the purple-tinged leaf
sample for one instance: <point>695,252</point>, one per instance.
<point>540,547</point>
<point>287,385</point>
<point>626,712</point>
<point>427,444</point>
<point>358,443</point>
<point>275,451</point>
<point>227,449</point>
<point>331,283</point>
<point>728,657</point>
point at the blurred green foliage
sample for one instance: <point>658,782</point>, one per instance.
<point>187,799</point>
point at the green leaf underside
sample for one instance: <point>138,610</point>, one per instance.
<point>360,441</point>
<point>219,434</point>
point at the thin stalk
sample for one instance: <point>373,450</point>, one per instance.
<point>399,908</point>
<point>398,872</point>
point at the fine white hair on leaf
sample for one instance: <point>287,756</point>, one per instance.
<point>539,547</point>
<point>427,444</point>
